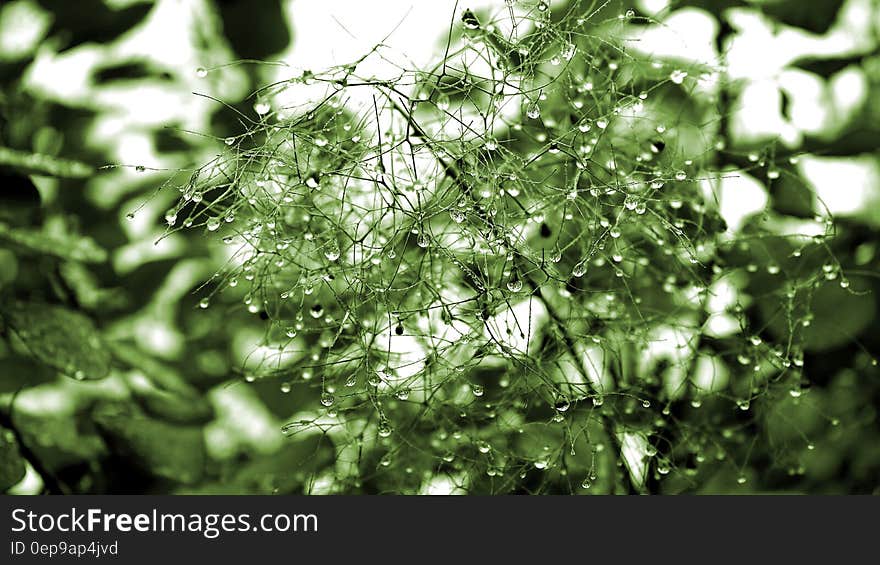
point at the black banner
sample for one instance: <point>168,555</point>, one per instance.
<point>230,529</point>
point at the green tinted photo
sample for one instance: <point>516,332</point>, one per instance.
<point>469,247</point>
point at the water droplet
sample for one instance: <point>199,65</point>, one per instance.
<point>681,175</point>
<point>316,311</point>
<point>586,483</point>
<point>741,480</point>
<point>598,401</point>
<point>514,283</point>
<point>201,72</point>
<point>129,216</point>
<point>213,224</point>
<point>262,107</point>
<point>285,387</point>
<point>543,6</point>
<point>229,140</point>
<point>312,182</point>
<point>204,303</point>
<point>140,168</point>
<point>678,76</point>
<point>171,218</point>
<point>327,399</point>
<point>533,111</point>
<point>562,404</point>
<point>646,403</point>
<point>477,390</point>
<point>384,428</point>
<point>483,447</point>
<point>290,332</point>
<point>423,240</point>
<point>580,269</point>
<point>331,251</point>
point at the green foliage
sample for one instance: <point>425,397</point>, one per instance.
<point>12,467</point>
<point>62,339</point>
<point>476,265</point>
<point>513,270</point>
<point>171,452</point>
<point>63,246</point>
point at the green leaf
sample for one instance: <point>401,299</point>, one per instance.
<point>60,338</point>
<point>36,164</point>
<point>166,394</point>
<point>17,372</point>
<point>77,248</point>
<point>12,467</point>
<point>160,448</point>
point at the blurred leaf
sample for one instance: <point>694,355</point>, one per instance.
<point>83,283</point>
<point>60,338</point>
<point>838,315</point>
<point>240,19</point>
<point>163,376</point>
<point>19,199</point>
<point>8,267</point>
<point>818,19</point>
<point>12,467</point>
<point>180,405</point>
<point>18,372</point>
<point>162,449</point>
<point>92,20</point>
<point>284,472</point>
<point>287,470</point>
<point>175,408</point>
<point>77,248</point>
<point>37,164</point>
